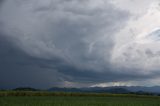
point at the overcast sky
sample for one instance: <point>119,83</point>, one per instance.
<point>79,43</point>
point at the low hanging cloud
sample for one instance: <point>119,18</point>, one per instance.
<point>47,43</point>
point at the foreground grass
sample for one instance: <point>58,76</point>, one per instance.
<point>78,101</point>
<point>12,98</point>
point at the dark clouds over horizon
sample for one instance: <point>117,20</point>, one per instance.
<point>62,43</point>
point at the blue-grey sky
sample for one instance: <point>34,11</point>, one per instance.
<point>79,43</point>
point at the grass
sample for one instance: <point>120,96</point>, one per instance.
<point>79,100</point>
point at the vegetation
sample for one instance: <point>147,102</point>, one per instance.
<point>78,101</point>
<point>46,93</point>
<point>43,98</point>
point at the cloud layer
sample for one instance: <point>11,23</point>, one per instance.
<point>142,49</point>
<point>69,42</point>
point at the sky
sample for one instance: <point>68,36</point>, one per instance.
<point>79,43</point>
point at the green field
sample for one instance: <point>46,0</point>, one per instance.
<point>74,99</point>
<point>78,101</point>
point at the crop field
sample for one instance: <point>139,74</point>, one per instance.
<point>63,99</point>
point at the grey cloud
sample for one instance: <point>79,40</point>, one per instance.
<point>19,69</point>
<point>53,41</point>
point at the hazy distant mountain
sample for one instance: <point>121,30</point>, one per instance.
<point>25,89</point>
<point>56,89</point>
<point>95,90</point>
<point>154,89</point>
<point>114,89</point>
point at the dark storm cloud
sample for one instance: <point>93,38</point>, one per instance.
<point>45,43</point>
<point>19,69</point>
<point>1,1</point>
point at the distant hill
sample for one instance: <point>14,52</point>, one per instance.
<point>110,90</point>
<point>154,89</point>
<point>118,90</point>
<point>25,89</point>
<point>114,89</point>
<point>56,89</point>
